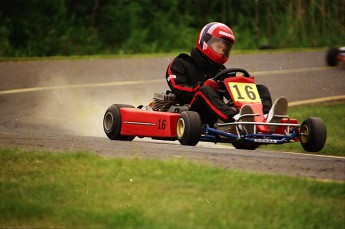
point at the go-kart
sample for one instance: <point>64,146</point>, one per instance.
<point>335,55</point>
<point>167,120</point>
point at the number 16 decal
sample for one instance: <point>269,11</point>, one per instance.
<point>246,92</point>
<point>162,124</point>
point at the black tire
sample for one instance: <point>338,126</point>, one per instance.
<point>247,146</point>
<point>313,134</point>
<point>188,128</point>
<point>112,123</point>
<point>332,56</point>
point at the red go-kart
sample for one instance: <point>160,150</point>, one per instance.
<point>335,55</point>
<point>166,120</point>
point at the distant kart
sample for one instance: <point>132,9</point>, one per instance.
<point>166,120</point>
<point>335,55</point>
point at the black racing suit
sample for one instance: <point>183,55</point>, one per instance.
<point>185,76</point>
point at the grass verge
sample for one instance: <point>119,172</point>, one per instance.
<point>50,190</point>
<point>333,115</point>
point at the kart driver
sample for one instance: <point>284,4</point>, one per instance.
<point>190,77</point>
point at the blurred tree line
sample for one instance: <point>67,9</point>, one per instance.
<point>79,27</point>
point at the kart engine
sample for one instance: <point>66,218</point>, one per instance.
<point>162,101</point>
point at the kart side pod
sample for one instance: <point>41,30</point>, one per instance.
<point>136,122</point>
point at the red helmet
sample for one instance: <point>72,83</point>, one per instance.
<point>215,41</point>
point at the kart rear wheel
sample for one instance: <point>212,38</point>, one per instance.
<point>313,134</point>
<point>112,123</point>
<point>332,56</point>
<point>188,128</point>
<point>247,146</point>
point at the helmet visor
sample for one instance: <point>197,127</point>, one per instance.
<point>220,46</point>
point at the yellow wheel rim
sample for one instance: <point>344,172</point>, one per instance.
<point>180,128</point>
<point>304,133</point>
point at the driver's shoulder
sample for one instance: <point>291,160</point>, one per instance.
<point>183,57</point>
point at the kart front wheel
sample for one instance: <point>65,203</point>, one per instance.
<point>112,123</point>
<point>313,134</point>
<point>188,128</point>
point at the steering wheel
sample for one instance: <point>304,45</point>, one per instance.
<point>230,72</point>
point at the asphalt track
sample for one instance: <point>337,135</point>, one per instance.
<point>59,105</point>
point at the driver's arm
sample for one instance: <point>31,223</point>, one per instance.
<point>176,77</point>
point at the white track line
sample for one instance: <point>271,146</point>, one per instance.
<point>136,82</point>
<point>313,155</point>
<point>317,100</point>
<point>287,71</point>
<point>121,83</point>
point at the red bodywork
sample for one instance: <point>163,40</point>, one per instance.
<point>282,130</point>
<point>141,123</point>
<point>341,58</point>
<point>243,91</point>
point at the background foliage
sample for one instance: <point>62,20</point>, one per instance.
<point>78,27</point>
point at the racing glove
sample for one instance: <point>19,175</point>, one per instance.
<point>211,83</point>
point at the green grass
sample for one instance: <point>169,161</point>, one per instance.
<point>78,190</point>
<point>332,114</point>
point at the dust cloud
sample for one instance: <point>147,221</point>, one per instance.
<point>80,110</point>
<point>70,110</point>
